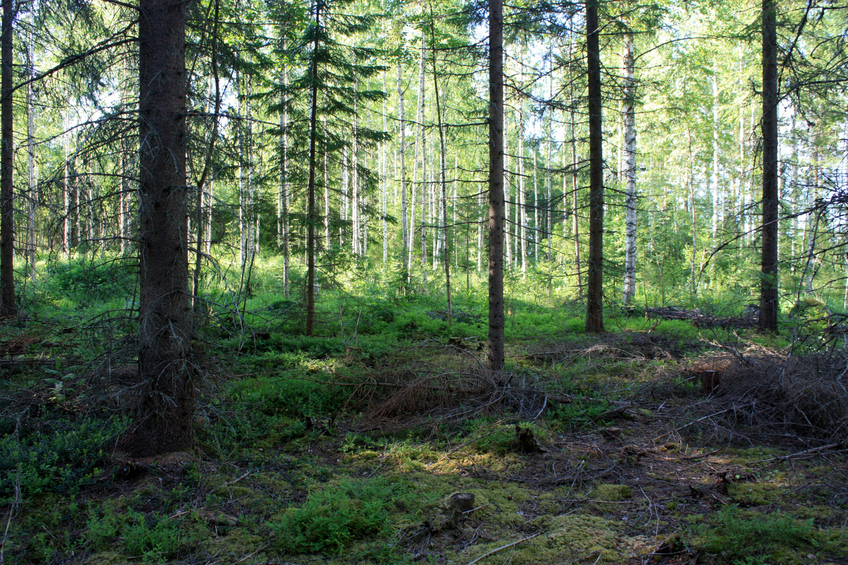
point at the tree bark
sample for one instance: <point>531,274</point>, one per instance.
<point>421,149</point>
<point>283,201</point>
<point>384,190</point>
<point>404,211</point>
<point>443,206</point>
<point>575,218</point>
<point>7,168</point>
<point>204,235</point>
<point>717,196</point>
<point>355,204</point>
<point>768,281</point>
<point>522,187</point>
<point>165,421</point>
<point>595,279</point>
<point>629,172</point>
<point>496,194</point>
<point>31,244</point>
<point>311,215</point>
<point>66,198</point>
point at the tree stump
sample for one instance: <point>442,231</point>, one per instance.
<point>709,381</point>
<point>460,504</point>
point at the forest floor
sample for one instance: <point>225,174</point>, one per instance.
<point>635,446</point>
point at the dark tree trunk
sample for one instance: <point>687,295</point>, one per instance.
<point>311,216</point>
<point>166,403</point>
<point>768,282</point>
<point>7,167</point>
<point>595,279</point>
<point>496,188</point>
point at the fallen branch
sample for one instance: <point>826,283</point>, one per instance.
<point>501,548</point>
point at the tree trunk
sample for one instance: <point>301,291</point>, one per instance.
<point>167,388</point>
<point>384,198</point>
<point>421,149</point>
<point>595,279</point>
<point>443,207</point>
<point>404,211</point>
<point>66,198</point>
<point>481,210</point>
<point>7,169</point>
<point>522,187</point>
<point>283,202</point>
<point>311,216</point>
<point>356,205</point>
<point>717,196</point>
<point>768,282</point>
<point>575,218</point>
<point>508,225</point>
<point>204,235</point>
<point>629,172</point>
<point>496,194</point>
<point>690,182</point>
<point>325,164</point>
<point>31,166</point>
<point>536,230</point>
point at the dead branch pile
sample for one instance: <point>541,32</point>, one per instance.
<point>748,319</point>
<point>608,347</point>
<point>779,397</point>
<point>457,385</point>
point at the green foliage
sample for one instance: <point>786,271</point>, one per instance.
<point>294,396</point>
<point>499,438</point>
<point>349,510</point>
<point>154,538</point>
<point>85,282</point>
<point>748,538</point>
<point>579,413</point>
<point>58,456</point>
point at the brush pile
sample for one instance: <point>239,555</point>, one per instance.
<point>769,397</point>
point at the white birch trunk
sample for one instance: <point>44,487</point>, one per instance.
<point>717,211</point>
<point>404,212</point>
<point>522,191</point>
<point>629,172</point>
<point>422,148</point>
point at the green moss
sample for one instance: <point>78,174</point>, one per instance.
<point>236,544</point>
<point>611,493</point>
<point>568,539</point>
<point>753,494</point>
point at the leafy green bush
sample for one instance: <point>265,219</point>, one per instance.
<point>60,456</point>
<point>331,518</point>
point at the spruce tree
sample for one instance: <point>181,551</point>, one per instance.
<point>321,104</point>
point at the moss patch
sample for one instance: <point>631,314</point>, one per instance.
<point>611,493</point>
<point>567,539</point>
<point>752,494</point>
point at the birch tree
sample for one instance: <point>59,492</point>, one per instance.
<point>630,204</point>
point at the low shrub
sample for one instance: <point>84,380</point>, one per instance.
<point>330,519</point>
<point>59,456</point>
